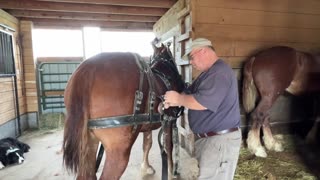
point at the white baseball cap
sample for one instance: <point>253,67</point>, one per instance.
<point>197,43</point>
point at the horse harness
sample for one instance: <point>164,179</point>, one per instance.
<point>137,118</point>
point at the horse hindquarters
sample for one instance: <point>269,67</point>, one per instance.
<point>249,97</point>
<point>249,89</point>
<point>77,153</point>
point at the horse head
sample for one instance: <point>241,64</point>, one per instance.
<point>164,66</point>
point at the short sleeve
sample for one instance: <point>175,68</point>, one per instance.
<point>212,90</point>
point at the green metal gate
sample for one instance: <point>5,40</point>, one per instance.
<point>53,78</point>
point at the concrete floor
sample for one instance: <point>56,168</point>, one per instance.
<point>44,161</point>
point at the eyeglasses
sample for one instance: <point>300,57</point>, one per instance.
<point>191,56</point>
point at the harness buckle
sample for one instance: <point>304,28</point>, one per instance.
<point>137,101</point>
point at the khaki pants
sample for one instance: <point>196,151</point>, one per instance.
<point>218,156</point>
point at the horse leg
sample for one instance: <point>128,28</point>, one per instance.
<point>268,139</point>
<point>117,143</point>
<point>146,168</point>
<point>253,140</point>
<point>93,144</point>
<point>257,117</point>
<point>312,134</point>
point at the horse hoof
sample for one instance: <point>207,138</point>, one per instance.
<point>261,152</point>
<point>147,171</point>
<point>278,147</point>
<point>150,171</point>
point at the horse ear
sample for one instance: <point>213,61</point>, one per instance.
<point>168,44</point>
<point>154,42</point>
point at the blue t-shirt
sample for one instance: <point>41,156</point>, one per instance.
<point>217,90</point>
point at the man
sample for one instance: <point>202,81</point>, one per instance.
<point>213,112</point>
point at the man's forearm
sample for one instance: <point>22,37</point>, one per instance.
<point>188,101</point>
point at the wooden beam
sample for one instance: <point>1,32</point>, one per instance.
<point>83,8</point>
<point>82,16</point>
<point>71,24</point>
<point>139,3</point>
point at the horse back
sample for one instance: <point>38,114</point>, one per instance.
<point>114,78</point>
<point>274,69</point>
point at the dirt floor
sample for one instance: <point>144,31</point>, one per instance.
<point>44,161</point>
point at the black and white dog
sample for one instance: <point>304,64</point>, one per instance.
<point>11,151</point>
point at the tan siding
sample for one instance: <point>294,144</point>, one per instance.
<point>258,33</point>
<point>256,18</point>
<point>7,100</point>
<point>292,6</point>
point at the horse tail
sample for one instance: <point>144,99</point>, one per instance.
<point>75,141</point>
<point>249,89</point>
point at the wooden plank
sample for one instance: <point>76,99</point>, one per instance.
<point>32,100</point>
<point>247,48</point>
<point>82,16</point>
<point>6,96</point>
<point>5,117</point>
<point>141,3</point>
<point>6,85</point>
<point>81,23</point>
<point>293,6</point>
<point>30,85</point>
<point>28,60</point>
<point>184,36</point>
<point>266,34</point>
<point>169,20</point>
<point>30,76</point>
<point>32,107</point>
<point>29,67</point>
<point>72,7</point>
<point>257,18</point>
<point>4,107</point>
<point>59,59</point>
<point>31,92</point>
<point>28,51</point>
<point>10,20</point>
<point>235,62</point>
<point>185,11</point>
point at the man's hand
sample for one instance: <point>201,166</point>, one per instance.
<point>172,98</point>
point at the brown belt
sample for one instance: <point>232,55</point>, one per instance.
<point>202,135</point>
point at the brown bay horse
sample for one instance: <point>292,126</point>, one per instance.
<point>267,75</point>
<point>120,88</point>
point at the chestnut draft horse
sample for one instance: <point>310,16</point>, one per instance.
<point>267,75</point>
<point>110,98</point>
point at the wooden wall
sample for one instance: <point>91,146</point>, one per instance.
<point>7,99</point>
<point>29,66</point>
<point>25,70</point>
<point>240,28</point>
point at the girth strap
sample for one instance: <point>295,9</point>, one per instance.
<point>126,120</point>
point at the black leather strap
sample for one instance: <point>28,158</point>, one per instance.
<point>127,120</point>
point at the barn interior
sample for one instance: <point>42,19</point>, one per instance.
<point>238,30</point>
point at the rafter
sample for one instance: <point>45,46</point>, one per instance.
<point>138,3</point>
<point>81,16</point>
<point>75,7</point>
<point>49,23</point>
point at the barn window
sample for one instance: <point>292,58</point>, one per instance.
<point>6,55</point>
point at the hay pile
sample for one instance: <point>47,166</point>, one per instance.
<point>298,162</point>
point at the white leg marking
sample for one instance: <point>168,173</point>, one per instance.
<point>255,146</point>
<point>1,165</point>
